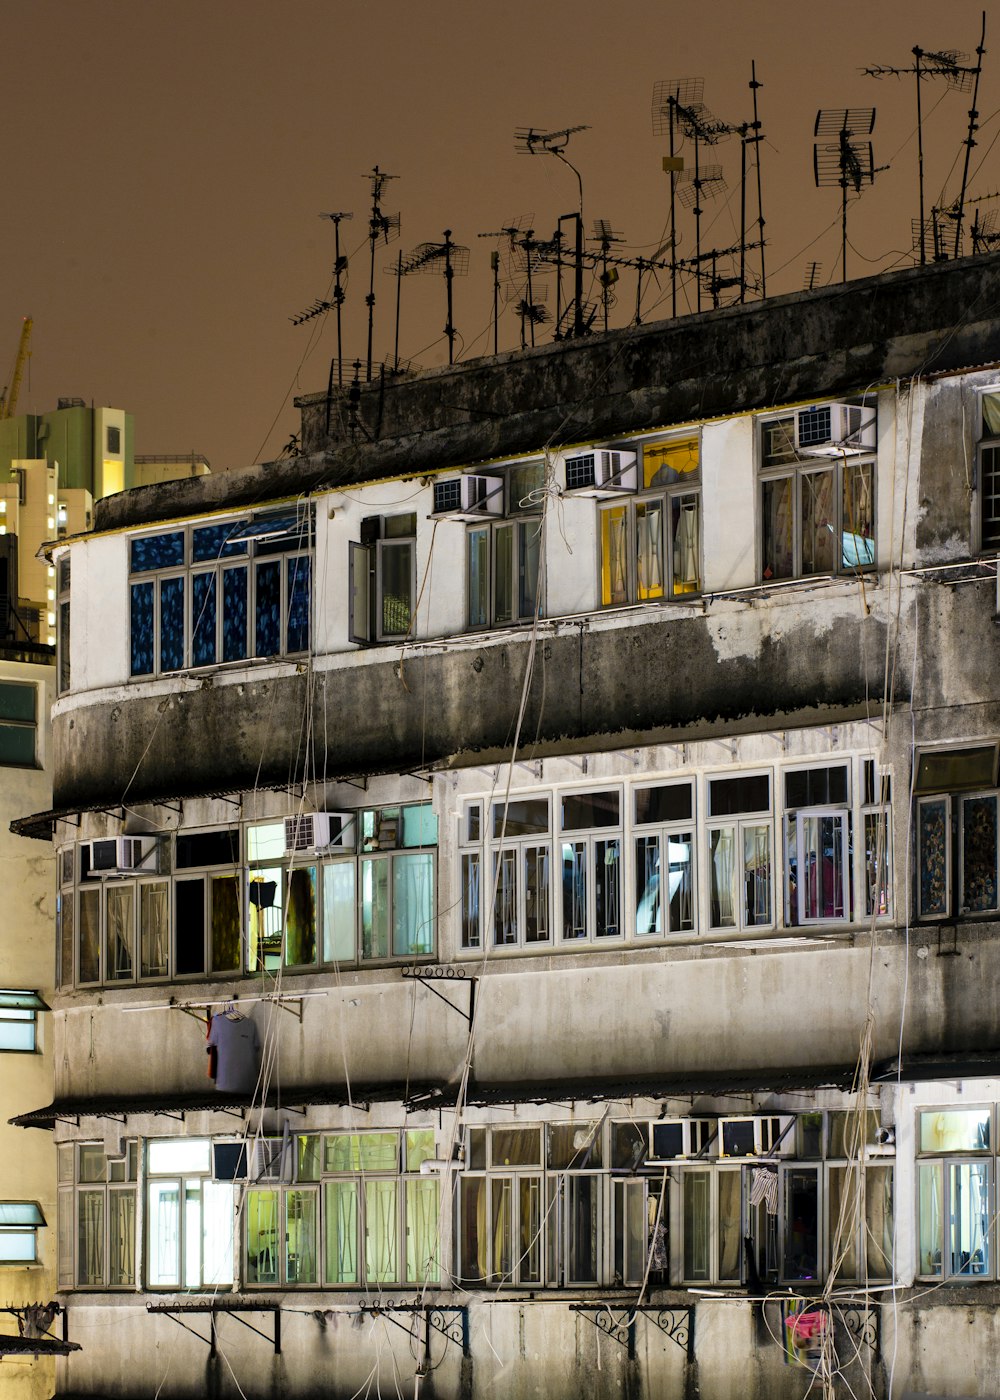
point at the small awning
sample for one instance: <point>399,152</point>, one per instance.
<point>959,1064</point>
<point>26,1214</point>
<point>288,525</point>
<point>22,1001</point>
<point>36,1346</point>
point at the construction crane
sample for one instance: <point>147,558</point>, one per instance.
<point>8,399</point>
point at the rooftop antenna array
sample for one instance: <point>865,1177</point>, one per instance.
<point>843,156</point>
<point>450,259</point>
<point>605,236</point>
<point>529,141</point>
<point>382,228</point>
<point>944,63</point>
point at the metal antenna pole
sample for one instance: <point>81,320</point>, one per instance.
<point>449,275</point>
<point>969,140</point>
<point>743,213</point>
<point>918,54</point>
<point>399,297</point>
<point>495,265</point>
<point>673,215</point>
<point>754,85</point>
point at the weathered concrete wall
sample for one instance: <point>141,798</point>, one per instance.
<point>699,1009</point>
<point>595,683</point>
<point>524,1351</point>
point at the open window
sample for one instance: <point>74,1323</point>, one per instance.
<point>818,851</point>
<point>383,579</point>
<point>503,556</point>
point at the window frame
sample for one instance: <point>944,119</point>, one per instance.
<point>17,724</point>
<point>794,468</point>
<point>685,487</point>
<point>941,881</point>
<point>988,470</point>
<point>946,1163</point>
<point>247,546</point>
<point>366,575</point>
<point>186,1180</point>
<point>118,1177</point>
<point>20,1009</point>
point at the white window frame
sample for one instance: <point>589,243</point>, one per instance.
<point>741,823</point>
<point>589,839</point>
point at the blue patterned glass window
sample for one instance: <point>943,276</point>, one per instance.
<point>158,552</point>
<point>141,629</point>
<point>171,624</point>
<point>210,542</point>
<point>204,609</point>
<point>298,604</point>
<point>267,607</point>
<point>234,614</point>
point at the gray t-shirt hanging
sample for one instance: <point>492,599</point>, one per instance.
<point>237,1046</point>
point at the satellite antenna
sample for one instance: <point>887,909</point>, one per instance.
<point>842,156</point>
<point>669,95</point>
<point>381,228</point>
<point>605,235</point>
<point>943,63</point>
<point>451,259</point>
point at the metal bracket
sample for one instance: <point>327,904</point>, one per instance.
<point>675,1323</point>
<point>428,976</point>
<point>265,1305</point>
<point>295,1010</point>
<point>451,1323</point>
<point>865,1326</point>
<point>620,1329</point>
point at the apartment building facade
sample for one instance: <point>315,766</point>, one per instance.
<point>563,804</point>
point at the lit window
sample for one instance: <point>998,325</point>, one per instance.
<point>20,1222</point>
<point>19,1019</point>
<point>650,546</point>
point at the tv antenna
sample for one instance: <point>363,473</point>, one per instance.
<point>529,141</point>
<point>842,156</point>
<point>970,140</point>
<point>319,308</point>
<point>697,123</point>
<point>813,269</point>
<point>509,236</point>
<point>669,95</point>
<point>942,63</point>
<point>382,228</point>
<point>451,259</point>
<point>605,235</point>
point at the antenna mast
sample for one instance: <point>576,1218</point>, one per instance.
<point>970,139</point>
<point>380,226</point>
<point>528,141</point>
<point>841,157</point>
<point>944,63</point>
<point>669,97</point>
<point>450,258</point>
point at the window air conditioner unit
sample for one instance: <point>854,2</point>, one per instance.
<point>315,831</point>
<point>763,1136</point>
<point>679,1137</point>
<point>113,856</point>
<point>468,497</point>
<point>267,1159</point>
<point>601,472</point>
<point>831,429</point>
